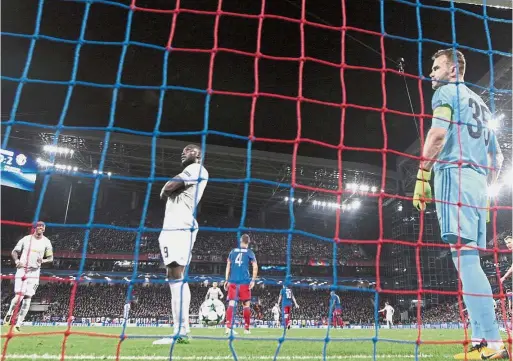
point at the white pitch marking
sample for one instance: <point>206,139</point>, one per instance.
<point>208,358</point>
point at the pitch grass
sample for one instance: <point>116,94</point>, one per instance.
<point>298,344</point>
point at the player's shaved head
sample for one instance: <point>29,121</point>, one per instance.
<point>244,239</point>
<point>191,154</point>
<point>195,147</point>
<point>453,56</point>
<point>40,228</point>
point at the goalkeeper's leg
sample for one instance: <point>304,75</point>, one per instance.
<point>474,281</point>
<point>466,226</point>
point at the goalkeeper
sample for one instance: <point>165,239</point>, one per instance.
<point>467,152</point>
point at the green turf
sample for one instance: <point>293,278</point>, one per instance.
<point>301,348</point>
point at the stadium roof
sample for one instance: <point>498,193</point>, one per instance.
<point>129,155</point>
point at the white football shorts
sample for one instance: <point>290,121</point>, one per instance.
<point>28,286</point>
<point>176,243</point>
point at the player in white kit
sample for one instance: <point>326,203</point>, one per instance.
<point>389,314</point>
<point>509,243</point>
<point>178,235</point>
<point>214,293</point>
<point>509,296</point>
<point>276,314</point>
<point>126,311</point>
<point>30,252</point>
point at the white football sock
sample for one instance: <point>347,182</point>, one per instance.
<point>181,299</point>
<point>14,302</point>
<point>23,311</point>
<point>186,304</point>
<point>174,308</point>
<point>496,345</point>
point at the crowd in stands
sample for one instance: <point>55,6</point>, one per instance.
<point>452,312</point>
<point>209,243</point>
<point>440,313</point>
<point>153,301</point>
<point>272,245</point>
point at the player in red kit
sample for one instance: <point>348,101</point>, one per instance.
<point>336,308</point>
<point>287,297</point>
<point>239,283</point>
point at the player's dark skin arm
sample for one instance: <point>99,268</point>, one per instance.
<point>15,256</point>
<point>171,186</point>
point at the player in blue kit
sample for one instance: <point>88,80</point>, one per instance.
<point>239,283</point>
<point>463,151</point>
<point>336,308</point>
<point>286,298</point>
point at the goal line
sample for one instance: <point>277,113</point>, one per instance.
<point>213,358</point>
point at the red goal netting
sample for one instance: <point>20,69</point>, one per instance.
<point>200,79</point>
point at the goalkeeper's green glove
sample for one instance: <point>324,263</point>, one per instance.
<point>422,193</point>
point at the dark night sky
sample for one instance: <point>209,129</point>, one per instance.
<point>183,111</point>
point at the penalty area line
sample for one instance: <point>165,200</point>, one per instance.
<point>206,358</point>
